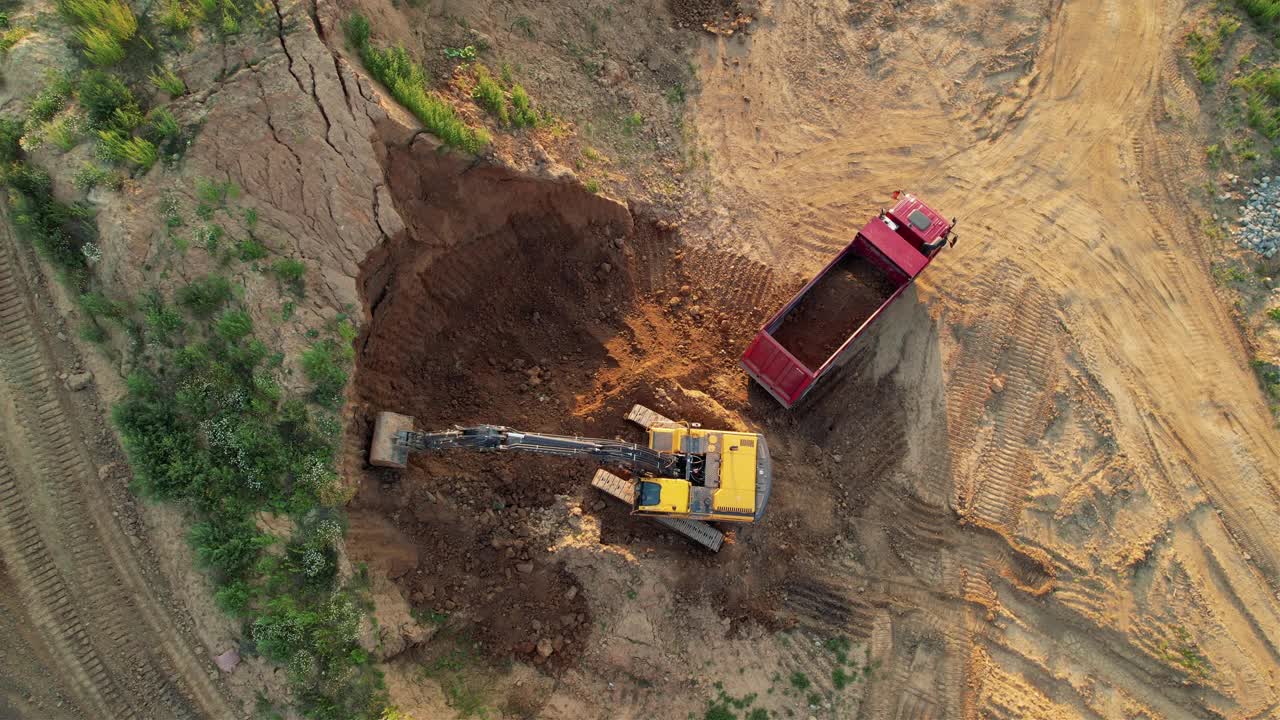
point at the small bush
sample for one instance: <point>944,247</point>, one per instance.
<point>490,96</point>
<point>168,81</point>
<point>57,230</point>
<point>799,680</point>
<point>105,100</point>
<point>11,130</point>
<point>206,295</point>
<point>11,37</point>
<point>98,305</point>
<point>114,19</point>
<point>234,325</point>
<point>522,110</point>
<point>325,365</point>
<point>357,31</point>
<point>161,125</point>
<point>118,147</point>
<point>52,98</point>
<point>250,250</point>
<point>291,272</point>
<point>177,18</point>
<point>64,131</point>
<point>632,122</point>
<point>100,48</point>
<point>1264,12</point>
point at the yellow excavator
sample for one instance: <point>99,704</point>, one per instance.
<point>684,477</point>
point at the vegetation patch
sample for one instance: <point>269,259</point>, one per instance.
<point>407,82</point>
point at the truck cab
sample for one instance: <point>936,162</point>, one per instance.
<point>816,331</point>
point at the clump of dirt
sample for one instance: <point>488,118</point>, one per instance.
<point>535,304</point>
<point>834,309</point>
<point>708,14</point>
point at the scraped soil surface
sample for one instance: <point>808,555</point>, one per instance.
<point>834,309</point>
<point>557,318</point>
<point>702,13</point>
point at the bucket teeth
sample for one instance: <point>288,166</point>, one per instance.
<point>647,419</point>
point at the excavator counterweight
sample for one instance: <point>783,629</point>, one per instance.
<point>684,476</point>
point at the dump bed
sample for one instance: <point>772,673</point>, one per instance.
<point>815,331</point>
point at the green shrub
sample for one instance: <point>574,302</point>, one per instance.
<point>407,82</point>
<point>57,230</point>
<point>101,96</point>
<point>325,365</point>
<point>11,130</point>
<point>52,98</point>
<point>11,37</point>
<point>234,325</point>
<point>1262,11</point>
<point>114,19</point>
<point>799,680</point>
<point>250,250</point>
<point>177,18</point>
<point>522,110</point>
<point>206,295</point>
<point>291,272</point>
<point>117,147</point>
<point>227,549</point>
<point>490,96</point>
<point>98,305</point>
<point>64,131</point>
<point>357,31</point>
<point>162,320</point>
<point>168,81</point>
<point>100,48</point>
<point>161,125</point>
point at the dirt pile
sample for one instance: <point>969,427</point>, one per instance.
<point>533,303</point>
<point>834,309</point>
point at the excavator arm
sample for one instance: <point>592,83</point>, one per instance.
<point>638,459</point>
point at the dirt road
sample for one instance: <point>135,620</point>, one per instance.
<point>87,633</point>
<point>1104,428</point>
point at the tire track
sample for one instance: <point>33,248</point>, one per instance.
<point>57,538</point>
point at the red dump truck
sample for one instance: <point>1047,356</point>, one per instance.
<point>817,330</point>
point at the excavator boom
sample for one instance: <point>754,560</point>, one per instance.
<point>637,458</point>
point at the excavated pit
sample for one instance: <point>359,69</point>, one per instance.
<point>535,304</point>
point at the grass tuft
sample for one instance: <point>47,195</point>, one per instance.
<point>407,82</point>
<point>168,81</point>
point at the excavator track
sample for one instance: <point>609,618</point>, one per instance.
<point>648,419</point>
<point>624,490</point>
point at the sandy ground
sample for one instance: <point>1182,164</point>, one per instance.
<point>1099,414</point>
<point>1046,490</point>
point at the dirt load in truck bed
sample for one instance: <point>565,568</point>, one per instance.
<point>833,309</point>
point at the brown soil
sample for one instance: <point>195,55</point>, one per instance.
<point>703,13</point>
<point>834,309</point>
<point>544,310</point>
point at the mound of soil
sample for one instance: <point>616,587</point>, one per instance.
<point>704,13</point>
<point>537,305</point>
<point>833,309</point>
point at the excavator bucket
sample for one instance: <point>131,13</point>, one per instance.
<point>384,451</point>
